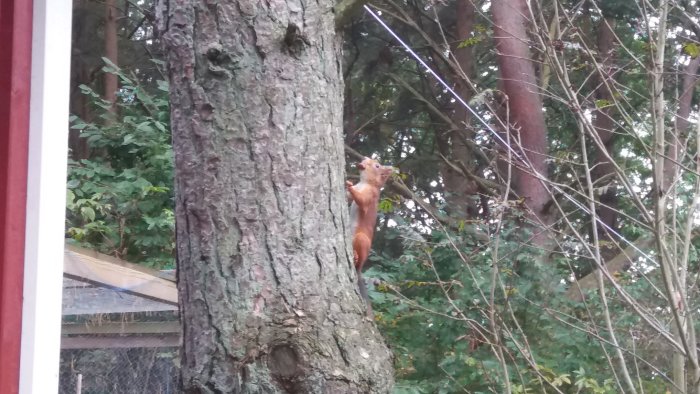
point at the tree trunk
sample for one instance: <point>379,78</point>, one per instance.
<point>80,106</point>
<point>459,191</point>
<point>604,126</point>
<point>111,50</point>
<point>84,26</point>
<point>674,154</point>
<point>677,142</point>
<point>519,83</point>
<point>268,294</point>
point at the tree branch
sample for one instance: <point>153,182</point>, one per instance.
<point>472,146</point>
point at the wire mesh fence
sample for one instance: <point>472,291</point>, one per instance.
<point>119,371</point>
<point>120,332</point>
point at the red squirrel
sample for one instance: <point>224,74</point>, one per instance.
<point>363,212</point>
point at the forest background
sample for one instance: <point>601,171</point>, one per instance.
<point>541,235</point>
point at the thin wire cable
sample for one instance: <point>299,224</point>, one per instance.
<point>498,137</point>
<point>444,84</point>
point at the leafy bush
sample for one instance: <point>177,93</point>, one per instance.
<point>120,200</point>
<point>439,314</point>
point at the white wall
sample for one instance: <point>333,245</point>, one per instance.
<point>46,193</point>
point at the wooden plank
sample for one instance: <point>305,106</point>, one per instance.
<point>93,267</point>
<point>15,78</point>
<point>166,274</point>
<point>84,298</point>
<point>163,327</point>
<point>619,263</point>
<point>115,342</point>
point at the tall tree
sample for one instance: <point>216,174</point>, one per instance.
<point>111,83</point>
<point>453,144</point>
<point>86,53</point>
<point>603,173</point>
<point>267,291</point>
<point>524,113</point>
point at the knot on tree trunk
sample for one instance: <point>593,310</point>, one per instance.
<point>285,367</point>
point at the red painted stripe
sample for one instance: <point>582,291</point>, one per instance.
<point>15,73</point>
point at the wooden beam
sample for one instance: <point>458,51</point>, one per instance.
<point>121,328</point>
<point>90,266</point>
<point>116,341</point>
<point>619,263</point>
<point>85,298</point>
<point>15,77</point>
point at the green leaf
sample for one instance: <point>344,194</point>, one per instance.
<point>70,198</point>
<point>160,126</point>
<point>691,49</point>
<point>110,64</point>
<point>145,126</point>
<point>88,213</point>
<point>386,205</point>
<point>602,103</point>
<point>471,41</point>
<point>163,85</point>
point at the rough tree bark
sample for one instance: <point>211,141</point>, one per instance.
<point>519,83</point>
<point>267,290</point>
